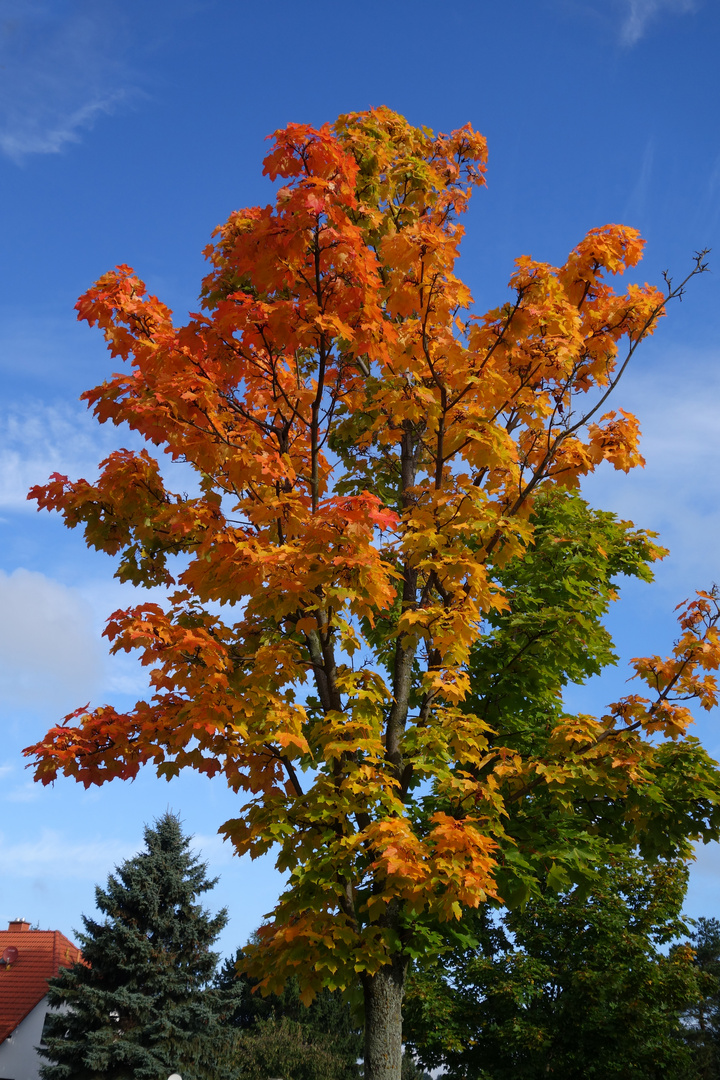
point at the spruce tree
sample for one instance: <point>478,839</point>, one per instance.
<point>139,1005</point>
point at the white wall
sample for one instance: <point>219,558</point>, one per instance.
<point>19,1060</point>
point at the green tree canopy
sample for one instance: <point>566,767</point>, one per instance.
<point>289,1039</point>
<point>566,820</point>
<point>499,999</point>
<point>571,986</point>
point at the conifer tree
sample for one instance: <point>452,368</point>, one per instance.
<point>139,1004</point>
<point>701,1023</point>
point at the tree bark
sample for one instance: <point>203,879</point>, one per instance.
<point>383,1021</point>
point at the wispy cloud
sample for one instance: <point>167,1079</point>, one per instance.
<point>640,13</point>
<point>678,492</point>
<point>56,854</point>
<point>38,439</point>
<point>635,206</point>
<point>213,849</point>
<point>25,793</point>
<point>53,853</point>
<point>61,68</point>
<point>51,649</point>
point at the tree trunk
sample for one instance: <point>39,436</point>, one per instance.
<point>383,1021</point>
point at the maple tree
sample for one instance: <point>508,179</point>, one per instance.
<point>367,453</point>
<point>553,635</point>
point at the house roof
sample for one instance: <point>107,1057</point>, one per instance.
<point>23,983</point>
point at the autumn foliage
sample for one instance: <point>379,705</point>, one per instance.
<point>368,453</point>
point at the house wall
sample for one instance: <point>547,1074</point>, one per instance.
<point>19,1060</point>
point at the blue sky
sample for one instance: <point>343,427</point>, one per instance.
<point>129,130</point>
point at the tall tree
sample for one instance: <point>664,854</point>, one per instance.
<point>701,1022</point>
<point>367,455</point>
<point>139,1003</point>
<point>573,985</point>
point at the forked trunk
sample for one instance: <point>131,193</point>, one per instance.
<point>383,1021</point>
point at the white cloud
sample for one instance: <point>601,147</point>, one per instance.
<point>49,650</point>
<point>640,13</point>
<point>52,652</point>
<point>60,69</point>
<point>37,439</point>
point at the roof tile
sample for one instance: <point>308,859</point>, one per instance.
<point>41,953</point>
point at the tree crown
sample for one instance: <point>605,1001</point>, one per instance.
<point>369,455</point>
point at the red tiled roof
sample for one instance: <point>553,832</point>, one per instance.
<point>23,984</point>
